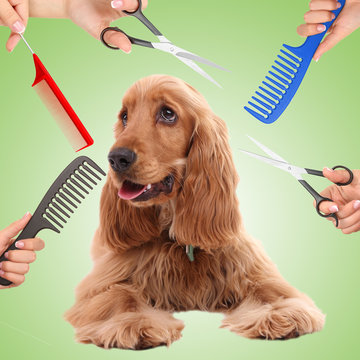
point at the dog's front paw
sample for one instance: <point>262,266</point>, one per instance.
<point>132,330</point>
<point>285,319</point>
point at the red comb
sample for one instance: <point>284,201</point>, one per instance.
<point>60,108</point>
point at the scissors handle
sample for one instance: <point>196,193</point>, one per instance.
<point>133,40</point>
<point>140,16</point>
<point>318,199</point>
<point>320,173</point>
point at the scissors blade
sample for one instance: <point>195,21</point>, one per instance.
<point>173,50</point>
<point>292,169</point>
<point>279,164</point>
<point>267,150</point>
<point>198,69</point>
<point>191,56</point>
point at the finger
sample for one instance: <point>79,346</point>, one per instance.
<point>318,17</point>
<point>349,209</point>
<point>324,5</point>
<point>128,5</point>
<point>34,244</point>
<point>7,287</point>
<point>22,8</point>
<point>12,42</point>
<point>10,17</point>
<point>330,41</point>
<point>17,279</point>
<point>310,29</point>
<point>351,229</point>
<point>119,40</point>
<point>13,229</point>
<point>336,176</point>
<point>21,256</point>
<point>348,215</point>
<point>328,207</point>
<point>16,268</point>
<point>350,221</point>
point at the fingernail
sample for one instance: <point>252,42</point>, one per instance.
<point>25,216</point>
<point>321,27</point>
<point>116,4</point>
<point>338,5</point>
<point>19,244</point>
<point>357,204</point>
<point>331,170</point>
<point>18,27</point>
<point>2,273</point>
<point>126,51</point>
<point>6,254</point>
<point>334,209</point>
<point>333,16</point>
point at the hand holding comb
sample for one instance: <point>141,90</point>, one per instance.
<point>285,77</point>
<point>58,106</point>
<point>59,201</point>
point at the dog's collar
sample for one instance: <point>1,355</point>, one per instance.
<point>189,249</point>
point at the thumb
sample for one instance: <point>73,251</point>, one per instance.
<point>128,5</point>
<point>328,207</point>
<point>13,229</point>
<point>119,40</point>
<point>336,176</point>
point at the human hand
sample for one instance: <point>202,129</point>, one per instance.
<point>17,264</point>
<point>14,14</point>
<point>320,12</point>
<point>95,15</point>
<point>346,199</point>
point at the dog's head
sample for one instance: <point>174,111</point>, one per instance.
<point>153,137</point>
<point>171,146</point>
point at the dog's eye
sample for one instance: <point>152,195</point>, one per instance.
<point>168,115</point>
<point>124,118</point>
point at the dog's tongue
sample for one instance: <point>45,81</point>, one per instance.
<point>130,190</point>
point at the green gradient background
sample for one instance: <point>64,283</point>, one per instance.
<point>320,128</point>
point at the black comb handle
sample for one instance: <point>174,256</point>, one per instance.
<point>58,201</point>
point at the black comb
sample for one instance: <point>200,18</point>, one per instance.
<point>60,200</point>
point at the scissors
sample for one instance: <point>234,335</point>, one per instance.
<point>166,45</point>
<point>296,171</point>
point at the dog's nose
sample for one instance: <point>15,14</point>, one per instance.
<point>121,159</point>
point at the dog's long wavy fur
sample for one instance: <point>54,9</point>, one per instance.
<point>141,272</point>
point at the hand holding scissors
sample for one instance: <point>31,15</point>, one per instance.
<point>347,198</point>
<point>165,45</point>
<point>279,162</point>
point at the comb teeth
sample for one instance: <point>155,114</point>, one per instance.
<point>279,87</point>
<point>70,193</point>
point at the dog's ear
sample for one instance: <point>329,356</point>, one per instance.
<point>207,213</point>
<point>122,225</point>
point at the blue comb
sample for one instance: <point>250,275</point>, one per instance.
<point>285,77</point>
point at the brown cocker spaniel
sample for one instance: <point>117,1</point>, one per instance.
<point>171,187</point>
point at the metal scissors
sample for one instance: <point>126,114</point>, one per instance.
<point>296,171</point>
<point>166,45</point>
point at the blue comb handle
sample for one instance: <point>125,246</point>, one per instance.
<point>285,77</point>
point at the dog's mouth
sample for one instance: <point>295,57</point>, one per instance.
<point>138,192</point>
